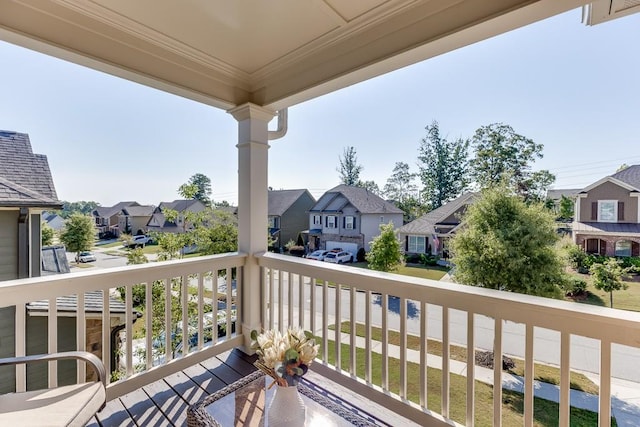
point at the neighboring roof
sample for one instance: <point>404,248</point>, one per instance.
<point>281,200</point>
<point>144,210</point>
<point>158,220</point>
<point>25,177</point>
<point>363,200</point>
<point>178,205</point>
<point>426,223</point>
<point>557,194</point>
<point>606,227</point>
<point>109,211</point>
<point>630,175</point>
<point>92,304</point>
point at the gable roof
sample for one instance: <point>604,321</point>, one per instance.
<point>179,205</point>
<point>557,194</point>
<point>109,211</point>
<point>281,200</point>
<point>630,175</point>
<point>626,178</point>
<point>25,177</point>
<point>363,200</point>
<point>144,210</point>
<point>426,223</point>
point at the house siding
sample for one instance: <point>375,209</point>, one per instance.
<point>295,219</point>
<point>7,348</point>
<point>370,225</point>
<point>8,245</point>
<point>609,191</point>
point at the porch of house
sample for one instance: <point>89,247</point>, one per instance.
<point>384,322</point>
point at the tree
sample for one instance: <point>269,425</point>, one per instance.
<point>198,188</point>
<point>622,167</point>
<point>400,185</point>
<point>401,189</point>
<point>349,168</point>
<point>607,277</point>
<point>79,233</point>
<point>82,207</point>
<point>509,245</point>
<point>371,186</point>
<point>217,234</point>
<point>385,253</point>
<point>444,167</point>
<point>566,208</point>
<point>502,154</point>
<point>47,234</point>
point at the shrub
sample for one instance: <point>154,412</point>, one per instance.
<point>360,256</point>
<point>296,250</point>
<point>575,286</point>
<point>429,260</point>
<point>575,256</point>
<point>290,244</point>
<point>412,258</point>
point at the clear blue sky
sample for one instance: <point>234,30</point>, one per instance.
<point>570,87</point>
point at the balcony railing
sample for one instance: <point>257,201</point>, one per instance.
<point>323,297</point>
<point>169,289</point>
<point>353,311</point>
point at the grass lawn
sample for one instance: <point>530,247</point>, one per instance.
<point>424,272</point>
<point>626,299</point>
<point>109,245</point>
<point>545,412</point>
<point>542,372</point>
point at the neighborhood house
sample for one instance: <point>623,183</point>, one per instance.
<point>349,218</point>
<point>607,215</point>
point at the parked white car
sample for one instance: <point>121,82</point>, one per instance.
<point>317,255</point>
<point>85,256</point>
<point>138,241</point>
<point>338,257</point>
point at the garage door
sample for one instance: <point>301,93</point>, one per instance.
<point>352,248</point>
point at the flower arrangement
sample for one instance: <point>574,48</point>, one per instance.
<point>284,356</point>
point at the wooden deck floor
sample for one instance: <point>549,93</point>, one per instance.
<point>165,402</point>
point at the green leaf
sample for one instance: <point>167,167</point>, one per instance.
<point>290,356</point>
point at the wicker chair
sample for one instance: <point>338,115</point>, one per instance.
<point>71,405</point>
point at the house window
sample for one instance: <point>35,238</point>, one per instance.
<point>416,244</point>
<point>332,221</point>
<point>607,210</point>
<point>349,222</point>
<point>623,248</point>
<point>381,220</point>
<point>317,220</point>
<point>272,222</point>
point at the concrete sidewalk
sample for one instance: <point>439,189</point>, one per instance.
<point>625,395</point>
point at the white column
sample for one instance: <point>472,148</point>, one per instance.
<point>252,206</point>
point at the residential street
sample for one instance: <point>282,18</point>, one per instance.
<point>585,352</point>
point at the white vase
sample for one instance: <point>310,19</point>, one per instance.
<point>286,408</point>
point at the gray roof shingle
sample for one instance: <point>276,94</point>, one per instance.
<point>281,200</point>
<point>362,199</point>
<point>144,210</point>
<point>109,211</point>
<point>630,175</point>
<point>426,223</point>
<point>92,304</point>
<point>25,177</point>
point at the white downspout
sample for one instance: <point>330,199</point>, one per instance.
<point>282,126</point>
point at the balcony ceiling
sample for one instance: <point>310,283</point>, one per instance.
<point>274,53</point>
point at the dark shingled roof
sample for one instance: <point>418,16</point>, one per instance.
<point>425,224</point>
<point>557,194</point>
<point>145,210</point>
<point>630,175</point>
<point>25,177</point>
<point>363,200</point>
<point>109,211</point>
<point>92,304</point>
<point>281,200</point>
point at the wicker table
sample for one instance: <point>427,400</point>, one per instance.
<point>243,403</point>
